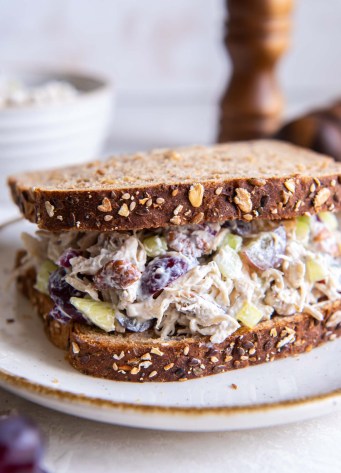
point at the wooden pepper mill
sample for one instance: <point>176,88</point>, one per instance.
<point>257,34</point>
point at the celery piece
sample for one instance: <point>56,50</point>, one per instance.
<point>229,263</point>
<point>315,270</point>
<point>249,315</point>
<point>233,241</point>
<point>302,228</point>
<point>329,220</point>
<point>44,271</point>
<point>305,219</point>
<point>155,245</point>
<point>99,313</point>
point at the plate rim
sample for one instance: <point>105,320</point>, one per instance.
<point>24,384</point>
<point>41,390</point>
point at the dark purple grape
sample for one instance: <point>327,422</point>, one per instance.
<point>133,324</point>
<point>210,228</point>
<point>68,254</point>
<point>161,272</point>
<point>239,227</point>
<point>61,292</point>
<point>72,315</point>
<point>21,445</point>
<point>266,251</point>
<point>58,315</point>
<point>59,289</point>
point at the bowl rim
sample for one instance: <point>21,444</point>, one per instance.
<point>102,86</point>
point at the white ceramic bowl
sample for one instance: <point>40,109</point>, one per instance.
<point>57,134</point>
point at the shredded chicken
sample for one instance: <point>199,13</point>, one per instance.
<point>201,278</point>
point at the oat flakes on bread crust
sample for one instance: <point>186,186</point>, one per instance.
<point>246,180</point>
<point>142,357</point>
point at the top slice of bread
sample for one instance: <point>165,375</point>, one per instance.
<point>244,180</point>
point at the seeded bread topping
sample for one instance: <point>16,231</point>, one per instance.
<point>206,279</point>
<point>250,180</point>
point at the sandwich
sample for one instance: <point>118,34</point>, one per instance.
<point>182,263</point>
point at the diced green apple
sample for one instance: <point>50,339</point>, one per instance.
<point>249,315</point>
<point>229,263</point>
<point>46,268</point>
<point>304,218</point>
<point>155,245</point>
<point>101,314</point>
<point>315,271</point>
<point>233,241</point>
<point>302,227</point>
<point>329,219</point>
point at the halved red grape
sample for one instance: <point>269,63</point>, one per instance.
<point>118,274</point>
<point>58,314</point>
<point>211,228</point>
<point>161,272</point>
<point>192,241</point>
<point>239,227</point>
<point>65,258</point>
<point>133,324</point>
<point>21,445</point>
<point>266,251</point>
<point>61,292</point>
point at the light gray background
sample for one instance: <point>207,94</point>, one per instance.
<point>166,58</point>
<point>169,67</point>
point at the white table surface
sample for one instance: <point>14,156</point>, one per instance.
<point>77,445</point>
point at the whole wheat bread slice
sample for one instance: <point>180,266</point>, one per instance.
<point>246,180</point>
<point>142,357</point>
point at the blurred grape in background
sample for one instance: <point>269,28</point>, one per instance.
<point>21,445</point>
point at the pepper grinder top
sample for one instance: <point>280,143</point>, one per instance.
<point>257,34</point>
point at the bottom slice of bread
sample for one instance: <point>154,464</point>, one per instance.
<point>143,357</point>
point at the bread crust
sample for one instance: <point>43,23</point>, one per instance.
<point>250,180</point>
<point>142,357</point>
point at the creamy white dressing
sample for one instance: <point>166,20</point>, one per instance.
<point>207,298</point>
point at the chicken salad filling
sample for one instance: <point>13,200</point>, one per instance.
<point>204,279</point>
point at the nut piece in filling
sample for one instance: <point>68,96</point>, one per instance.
<point>117,274</point>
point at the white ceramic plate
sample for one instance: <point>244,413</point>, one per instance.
<point>276,393</point>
